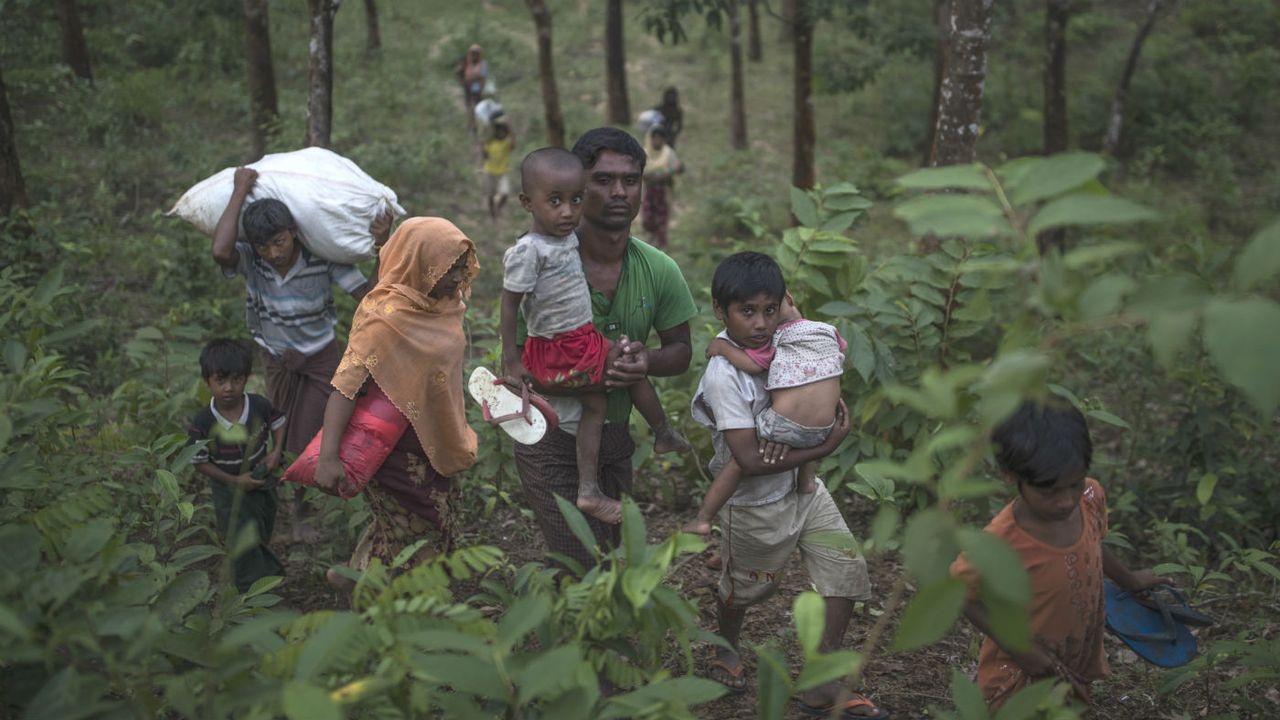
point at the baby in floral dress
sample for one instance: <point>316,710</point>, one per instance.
<point>804,363</point>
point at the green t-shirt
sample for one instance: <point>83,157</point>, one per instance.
<point>651,295</point>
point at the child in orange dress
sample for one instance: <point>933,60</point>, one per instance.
<point>1056,526</point>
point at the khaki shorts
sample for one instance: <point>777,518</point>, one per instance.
<point>496,186</point>
<point>759,539</point>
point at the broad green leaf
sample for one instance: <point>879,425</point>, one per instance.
<point>973,216</point>
<point>810,613</point>
<point>465,673</point>
<point>326,644</point>
<point>1260,258</point>
<point>844,187</point>
<point>521,618</point>
<point>1109,418</point>
<point>1243,339</point>
<point>1169,293</point>
<point>1204,488</point>
<point>1081,209</point>
<point>195,553</point>
<point>633,533</point>
<point>846,203</point>
<point>1009,621</point>
<point>804,208</point>
<point>967,697</point>
<point>452,640</point>
<point>930,614</point>
<point>998,566</point>
<point>1105,252</point>
<point>929,545</point>
<point>840,222</point>
<point>967,177</point>
<point>861,353</point>
<point>308,702</point>
<point>48,287</point>
<point>661,698</point>
<point>773,683</point>
<point>1010,378</point>
<point>87,540</point>
<point>182,595</point>
<point>825,668</point>
<point>884,526</point>
<point>1055,175</point>
<point>638,583</point>
<point>148,333</point>
<point>15,355</point>
<point>548,674</point>
<point>840,308</point>
<point>1169,334</point>
<point>12,624</point>
<point>1026,703</point>
<point>577,524</point>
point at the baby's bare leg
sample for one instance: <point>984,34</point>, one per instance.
<point>721,489</point>
<point>665,438</point>
<point>591,500</point>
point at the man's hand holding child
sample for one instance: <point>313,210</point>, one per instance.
<point>631,367</point>
<point>246,482</point>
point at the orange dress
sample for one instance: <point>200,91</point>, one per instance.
<point>1067,602</point>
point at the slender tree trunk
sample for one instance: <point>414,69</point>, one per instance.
<point>941,11</point>
<point>1112,140</point>
<point>755,50</point>
<point>802,170</point>
<point>74,50</point>
<point>960,103</point>
<point>1057,15</point>
<point>547,73</point>
<point>737,98</point>
<point>615,64</point>
<point>787,29</point>
<point>262,74</point>
<point>13,191</point>
<point>373,40</point>
<point>320,87</point>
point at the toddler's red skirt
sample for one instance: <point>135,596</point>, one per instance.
<point>570,359</point>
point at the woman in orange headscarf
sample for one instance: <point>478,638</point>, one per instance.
<point>407,338</point>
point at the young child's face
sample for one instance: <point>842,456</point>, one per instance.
<point>1055,503</point>
<point>751,323</point>
<point>555,201</point>
<point>227,388</point>
<point>280,252</point>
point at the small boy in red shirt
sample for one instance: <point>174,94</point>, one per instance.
<point>1056,526</point>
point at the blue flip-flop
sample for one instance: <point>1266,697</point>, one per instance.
<point>1151,633</point>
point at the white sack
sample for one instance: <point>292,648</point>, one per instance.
<point>488,110</point>
<point>648,120</point>
<point>332,200</point>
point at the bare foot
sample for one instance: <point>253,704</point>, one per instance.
<point>714,562</point>
<point>601,507</point>
<point>305,533</point>
<point>697,527</point>
<point>667,440</point>
<point>339,581</point>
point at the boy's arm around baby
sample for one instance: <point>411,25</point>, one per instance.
<point>757,458</point>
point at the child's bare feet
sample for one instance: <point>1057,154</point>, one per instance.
<point>600,507</point>
<point>667,440</point>
<point>697,526</point>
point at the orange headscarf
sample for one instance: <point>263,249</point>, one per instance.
<point>412,344</point>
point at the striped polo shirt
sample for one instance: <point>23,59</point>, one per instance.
<point>295,311</point>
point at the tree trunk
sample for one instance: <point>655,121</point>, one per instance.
<point>960,103</point>
<point>1114,125</point>
<point>373,40</point>
<point>547,73</point>
<point>615,64</point>
<point>755,51</point>
<point>75,52</point>
<point>1057,15</point>
<point>787,29</point>
<point>737,99</point>
<point>941,11</point>
<point>262,74</point>
<point>13,192</point>
<point>320,86</point>
<point>802,171</point>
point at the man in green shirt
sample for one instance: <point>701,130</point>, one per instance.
<point>635,289</point>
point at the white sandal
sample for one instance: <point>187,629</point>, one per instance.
<point>526,416</point>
